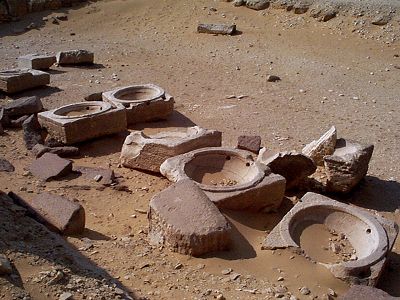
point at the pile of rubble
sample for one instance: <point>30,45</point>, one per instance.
<point>187,217</point>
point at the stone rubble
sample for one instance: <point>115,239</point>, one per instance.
<point>216,29</point>
<point>325,145</point>
<point>6,166</point>
<point>249,143</point>
<point>75,57</point>
<point>23,106</point>
<point>18,80</point>
<point>32,132</point>
<point>65,151</point>
<point>36,61</point>
<point>50,166</point>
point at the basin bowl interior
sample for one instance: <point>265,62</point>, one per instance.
<point>221,169</point>
<point>345,148</point>
<point>139,93</point>
<point>83,109</point>
<point>310,228</point>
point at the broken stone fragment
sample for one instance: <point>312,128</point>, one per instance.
<point>6,166</point>
<point>362,292</point>
<point>381,20</point>
<point>104,176</point>
<point>50,166</point>
<point>4,119</point>
<point>316,150</point>
<point>347,165</point>
<point>56,212</point>
<point>17,123</point>
<point>75,57</point>
<point>295,167</point>
<point>65,151</point>
<point>36,61</point>
<point>5,265</point>
<point>257,4</point>
<point>149,152</point>
<point>183,219</point>
<point>32,132</point>
<point>273,78</point>
<point>216,29</point>
<point>17,80</point>
<point>23,106</point>
<point>249,143</point>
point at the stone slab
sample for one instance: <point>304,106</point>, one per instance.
<point>23,106</point>
<point>64,151</point>
<point>66,215</point>
<point>250,143</point>
<point>362,292</point>
<point>36,61</point>
<point>149,152</point>
<point>184,220</point>
<point>325,145</point>
<point>50,166</point>
<point>18,80</point>
<point>75,57</point>
<point>216,29</point>
<point>103,176</point>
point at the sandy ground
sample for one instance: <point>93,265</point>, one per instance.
<point>333,73</point>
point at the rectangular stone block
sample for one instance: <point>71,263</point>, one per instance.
<point>75,57</point>
<point>216,29</point>
<point>73,129</point>
<point>17,80</point>
<point>36,61</point>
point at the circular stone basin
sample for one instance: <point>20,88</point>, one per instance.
<point>138,93</point>
<point>222,170</point>
<point>307,226</point>
<point>81,110</point>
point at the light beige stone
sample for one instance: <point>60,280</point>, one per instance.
<point>316,150</point>
<point>149,152</point>
<point>18,80</point>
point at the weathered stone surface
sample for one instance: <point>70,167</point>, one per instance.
<point>23,106</point>
<point>6,166</point>
<point>183,219</point>
<point>347,165</point>
<point>32,132</point>
<point>17,80</point>
<point>143,103</point>
<point>5,265</point>
<point>216,29</point>
<point>75,57</point>
<point>103,176</point>
<point>250,143</point>
<point>362,292</point>
<point>50,166</point>
<point>59,213</point>
<point>371,236</point>
<point>257,4</point>
<point>229,177</point>
<point>316,150</point>
<point>17,123</point>
<point>149,152</point>
<point>94,97</point>
<point>67,124</point>
<point>36,61</point>
<point>295,167</point>
<point>65,151</point>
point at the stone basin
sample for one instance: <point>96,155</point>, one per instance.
<point>371,236</point>
<point>231,178</point>
<point>138,93</point>
<point>81,110</point>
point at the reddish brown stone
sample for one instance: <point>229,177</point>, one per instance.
<point>56,212</point>
<point>50,166</point>
<point>250,143</point>
<point>362,292</point>
<point>183,218</point>
<point>103,176</point>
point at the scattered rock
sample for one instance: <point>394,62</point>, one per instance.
<point>183,218</point>
<point>50,166</point>
<point>295,167</point>
<point>347,165</point>
<point>250,143</point>
<point>5,265</point>
<point>305,291</point>
<point>66,296</point>
<point>66,151</point>
<point>104,176</point>
<point>4,119</point>
<point>17,123</point>
<point>36,61</point>
<point>94,97</point>
<point>6,166</point>
<point>381,20</point>
<point>23,106</point>
<point>216,29</point>
<point>32,132</point>
<point>362,292</point>
<point>257,4</point>
<point>75,57</point>
<point>273,78</point>
<point>316,150</point>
